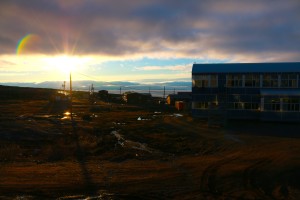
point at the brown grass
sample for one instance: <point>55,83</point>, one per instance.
<point>46,157</point>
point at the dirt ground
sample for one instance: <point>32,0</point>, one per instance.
<point>115,151</point>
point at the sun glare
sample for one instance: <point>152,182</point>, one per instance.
<point>64,63</point>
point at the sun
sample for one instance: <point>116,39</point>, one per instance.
<point>64,63</point>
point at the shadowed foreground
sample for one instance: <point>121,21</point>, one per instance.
<point>109,154</point>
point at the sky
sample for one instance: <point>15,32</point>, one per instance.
<point>139,40</point>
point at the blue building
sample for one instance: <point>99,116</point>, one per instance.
<point>263,91</point>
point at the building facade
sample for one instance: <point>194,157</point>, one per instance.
<point>263,91</point>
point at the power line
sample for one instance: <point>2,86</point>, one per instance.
<point>93,78</point>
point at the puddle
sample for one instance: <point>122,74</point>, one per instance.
<point>84,197</point>
<point>117,135</point>
<point>102,194</point>
<point>67,116</point>
<point>53,118</point>
<point>120,123</point>
<point>44,116</point>
<point>89,117</point>
<point>38,117</point>
<point>160,114</point>
<point>23,197</point>
<point>93,115</point>
<point>177,115</point>
<point>233,138</point>
<point>131,144</point>
<point>142,119</point>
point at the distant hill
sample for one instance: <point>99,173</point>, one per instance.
<point>115,85</point>
<point>25,93</point>
<point>31,93</point>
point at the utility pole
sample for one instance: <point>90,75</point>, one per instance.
<point>92,90</point>
<point>164,92</point>
<point>92,99</point>
<point>64,87</point>
<point>71,97</point>
<point>120,91</point>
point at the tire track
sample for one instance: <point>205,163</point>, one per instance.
<point>208,181</point>
<point>251,181</point>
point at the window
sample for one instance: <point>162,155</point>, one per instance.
<point>238,105</point>
<point>200,81</point>
<point>289,80</point>
<point>252,80</point>
<point>234,80</point>
<point>200,105</point>
<point>251,106</point>
<point>205,81</point>
<point>213,80</point>
<point>243,105</point>
<point>275,106</point>
<point>272,104</point>
<point>291,104</point>
<point>270,80</point>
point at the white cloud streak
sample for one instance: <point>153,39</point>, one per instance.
<point>164,68</point>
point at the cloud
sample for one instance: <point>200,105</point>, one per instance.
<point>137,28</point>
<point>169,68</point>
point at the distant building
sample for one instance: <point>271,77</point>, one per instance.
<point>103,95</point>
<point>180,96</point>
<point>264,91</point>
<point>181,100</point>
<point>136,98</point>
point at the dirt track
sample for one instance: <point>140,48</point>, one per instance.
<point>162,156</point>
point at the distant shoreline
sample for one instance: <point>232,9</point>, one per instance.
<point>156,89</point>
<point>153,92</point>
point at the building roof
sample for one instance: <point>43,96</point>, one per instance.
<point>137,94</point>
<point>280,92</point>
<point>181,96</point>
<point>246,67</point>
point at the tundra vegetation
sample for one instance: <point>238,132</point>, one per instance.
<point>120,151</point>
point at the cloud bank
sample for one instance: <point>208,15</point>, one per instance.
<point>236,30</point>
